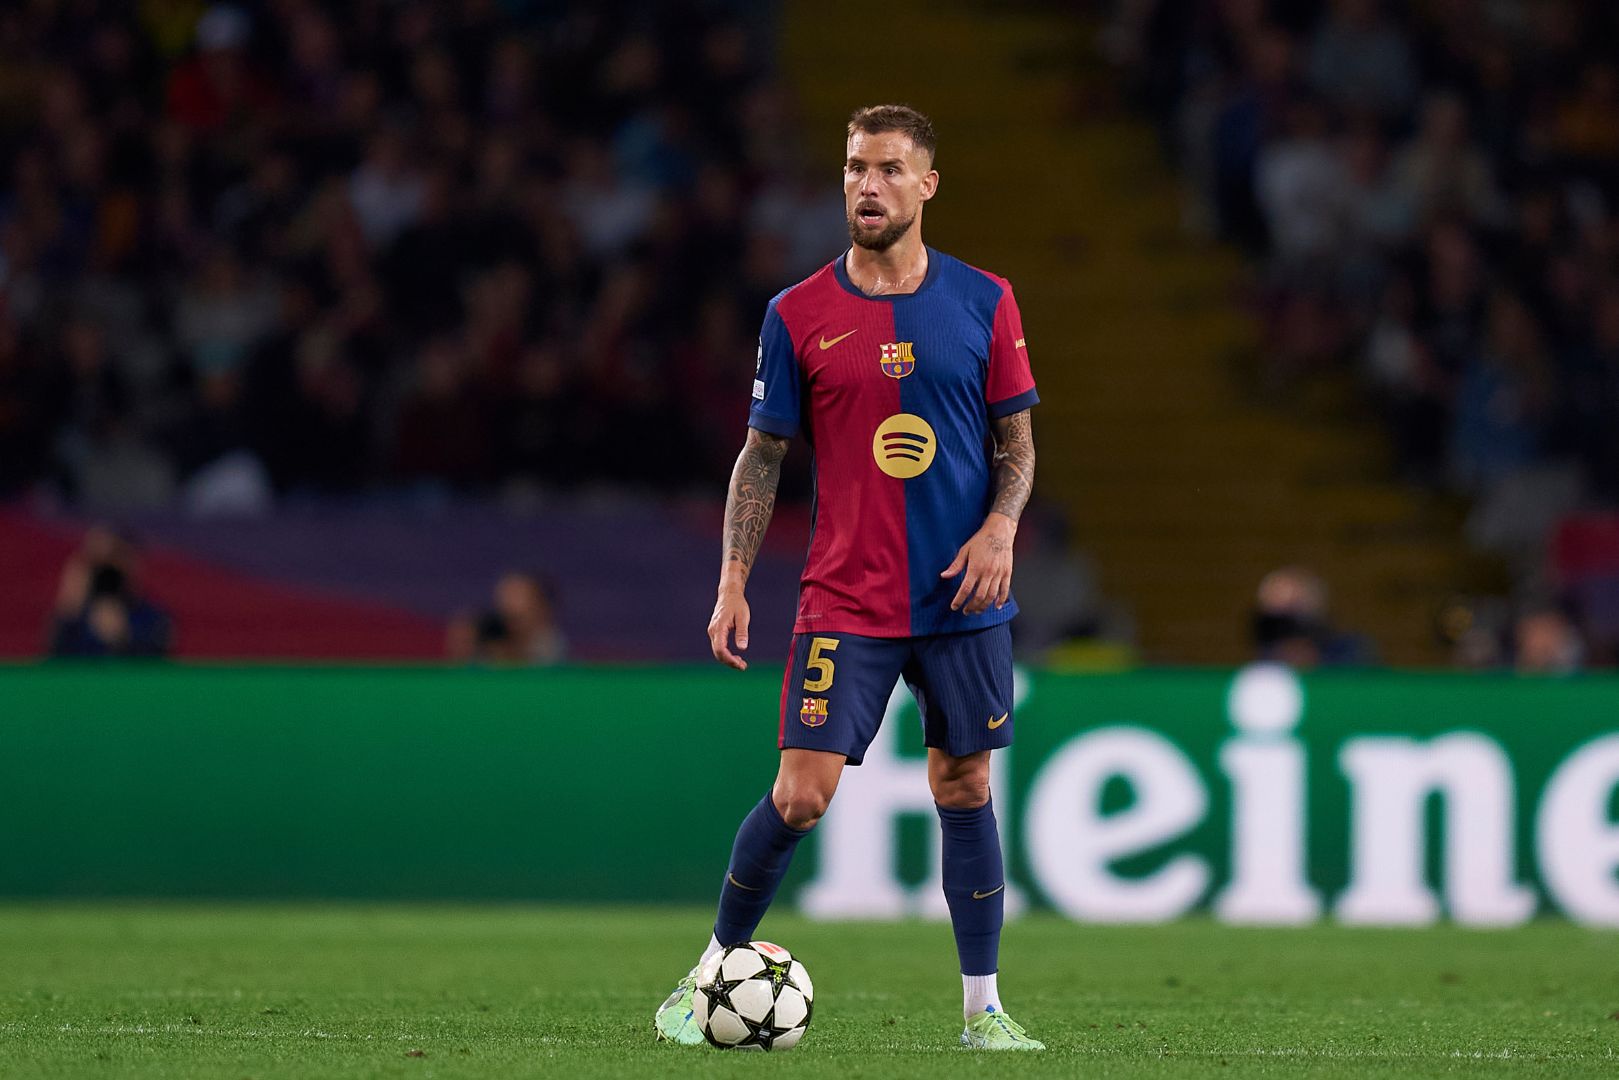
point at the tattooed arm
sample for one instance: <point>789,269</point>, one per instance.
<point>1013,464</point>
<point>987,557</point>
<point>748,505</point>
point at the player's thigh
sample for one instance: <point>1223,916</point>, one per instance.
<point>946,770</point>
<point>835,692</point>
<point>963,686</point>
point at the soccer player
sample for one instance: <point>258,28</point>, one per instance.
<point>906,371</point>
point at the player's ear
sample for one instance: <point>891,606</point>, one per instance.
<point>930,184</point>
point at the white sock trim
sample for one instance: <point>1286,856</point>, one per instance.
<point>978,992</point>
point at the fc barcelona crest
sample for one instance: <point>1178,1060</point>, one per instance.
<point>897,359</point>
<point>813,714</point>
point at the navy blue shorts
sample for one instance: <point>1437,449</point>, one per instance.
<point>837,687</point>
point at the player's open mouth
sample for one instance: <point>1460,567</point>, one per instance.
<point>869,215</point>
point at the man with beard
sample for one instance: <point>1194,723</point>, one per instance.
<point>906,371</point>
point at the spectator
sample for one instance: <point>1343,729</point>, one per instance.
<point>220,85</point>
<point>1443,173</point>
<point>1505,398</point>
<point>386,190</point>
<point>611,211</point>
<point>521,627</point>
<point>1291,624</point>
<point>1262,86</point>
<point>807,213</point>
<point>222,314</point>
<point>99,612</point>
<point>1378,218</point>
<point>1359,60</point>
<point>1546,642</point>
<point>1474,630</point>
<point>1302,190</point>
<point>537,418</point>
<point>1588,123</point>
<point>443,430</point>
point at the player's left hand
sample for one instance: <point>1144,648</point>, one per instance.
<point>987,560</point>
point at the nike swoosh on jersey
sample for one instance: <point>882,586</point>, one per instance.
<point>738,884</point>
<point>986,895</point>
<point>994,723</point>
<point>825,344</point>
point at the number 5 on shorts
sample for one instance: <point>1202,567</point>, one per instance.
<point>820,664</point>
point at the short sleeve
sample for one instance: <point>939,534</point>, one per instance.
<point>1010,385</point>
<point>775,380</point>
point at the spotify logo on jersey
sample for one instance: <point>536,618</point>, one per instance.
<point>904,446</point>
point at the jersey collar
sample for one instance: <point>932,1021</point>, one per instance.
<point>840,270</point>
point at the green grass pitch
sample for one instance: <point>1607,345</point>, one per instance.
<point>486,992</point>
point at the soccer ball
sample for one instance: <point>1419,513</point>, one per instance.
<point>753,997</point>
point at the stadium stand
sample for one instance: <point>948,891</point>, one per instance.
<point>1429,192</point>
<point>254,256</point>
<point>261,251</point>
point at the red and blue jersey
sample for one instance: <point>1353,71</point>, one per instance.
<point>895,395</point>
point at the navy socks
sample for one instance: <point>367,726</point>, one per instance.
<point>974,880</point>
<point>759,859</point>
<point>974,885</point>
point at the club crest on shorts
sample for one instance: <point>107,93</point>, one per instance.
<point>897,360</point>
<point>813,713</point>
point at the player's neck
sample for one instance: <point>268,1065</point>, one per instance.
<point>900,269</point>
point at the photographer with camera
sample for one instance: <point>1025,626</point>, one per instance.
<point>98,612</point>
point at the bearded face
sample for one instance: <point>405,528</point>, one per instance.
<point>872,228</point>
<point>886,179</point>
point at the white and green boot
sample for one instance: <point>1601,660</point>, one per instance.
<point>674,1022</point>
<point>994,1030</point>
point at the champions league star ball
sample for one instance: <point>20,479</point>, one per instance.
<point>753,997</point>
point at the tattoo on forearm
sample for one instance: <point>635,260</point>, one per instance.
<point>1013,464</point>
<point>752,496</point>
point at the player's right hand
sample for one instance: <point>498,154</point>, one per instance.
<point>730,612</point>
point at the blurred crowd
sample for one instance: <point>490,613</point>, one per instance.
<point>251,251</point>
<point>1434,191</point>
<point>1293,624</point>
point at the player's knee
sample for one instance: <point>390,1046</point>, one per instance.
<point>800,807</point>
<point>966,792</point>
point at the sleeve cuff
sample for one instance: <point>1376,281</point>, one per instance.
<point>772,425</point>
<point>1008,406</point>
